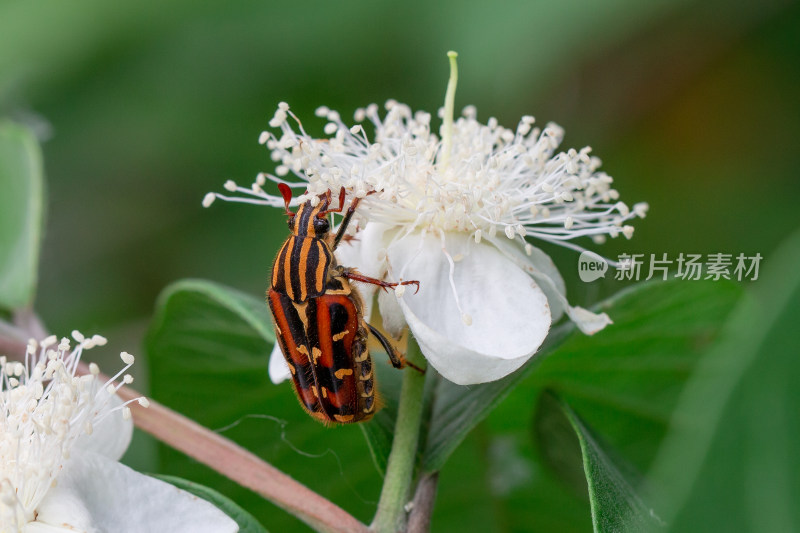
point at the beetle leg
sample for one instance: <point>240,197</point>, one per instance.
<point>345,222</point>
<point>323,214</point>
<point>397,359</point>
<point>355,276</point>
<point>347,217</point>
<point>349,238</point>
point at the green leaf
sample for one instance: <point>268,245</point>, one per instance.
<point>208,351</point>
<point>625,379</point>
<point>730,461</point>
<point>247,522</point>
<point>614,487</point>
<point>493,482</point>
<point>458,409</point>
<point>556,443</point>
<point>180,301</point>
<point>378,433</point>
<point>21,180</point>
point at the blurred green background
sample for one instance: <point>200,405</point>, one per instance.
<point>143,107</point>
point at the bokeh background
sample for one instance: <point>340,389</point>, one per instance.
<point>143,107</point>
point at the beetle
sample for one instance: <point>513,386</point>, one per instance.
<point>318,316</point>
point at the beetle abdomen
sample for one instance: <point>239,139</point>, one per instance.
<point>291,337</point>
<point>325,346</point>
<point>344,369</point>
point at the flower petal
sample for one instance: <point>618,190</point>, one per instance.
<point>94,493</point>
<point>543,270</point>
<point>540,267</point>
<point>278,369</point>
<point>510,316</point>
<point>394,321</point>
<point>38,527</point>
<point>365,250</point>
<point>588,322</point>
<point>111,436</point>
<point>64,506</point>
<point>364,253</point>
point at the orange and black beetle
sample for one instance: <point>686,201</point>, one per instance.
<point>318,316</point>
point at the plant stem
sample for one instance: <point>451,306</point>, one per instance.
<point>390,516</point>
<point>242,466</point>
<point>419,521</point>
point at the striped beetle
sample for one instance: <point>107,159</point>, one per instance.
<point>319,319</point>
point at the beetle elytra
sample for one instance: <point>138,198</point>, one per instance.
<point>319,318</point>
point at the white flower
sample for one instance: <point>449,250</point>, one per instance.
<point>61,437</point>
<point>454,213</point>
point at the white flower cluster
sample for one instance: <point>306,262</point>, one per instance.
<point>61,435</point>
<point>455,213</point>
<point>497,179</point>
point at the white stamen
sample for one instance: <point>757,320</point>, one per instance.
<point>627,231</point>
<point>48,342</point>
<point>475,179</point>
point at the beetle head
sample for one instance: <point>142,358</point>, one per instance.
<point>311,221</point>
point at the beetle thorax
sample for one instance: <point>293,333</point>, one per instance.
<point>307,222</point>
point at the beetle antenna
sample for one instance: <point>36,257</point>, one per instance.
<point>287,197</point>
